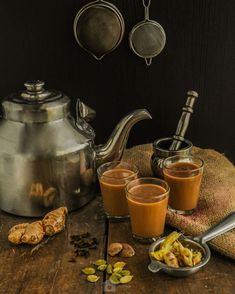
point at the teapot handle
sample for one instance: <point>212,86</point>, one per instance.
<point>83,115</point>
<point>83,111</point>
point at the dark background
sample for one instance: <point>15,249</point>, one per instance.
<point>37,42</point>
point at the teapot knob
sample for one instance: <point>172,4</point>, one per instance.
<point>34,91</point>
<point>34,86</point>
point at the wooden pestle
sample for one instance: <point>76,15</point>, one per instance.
<point>184,121</point>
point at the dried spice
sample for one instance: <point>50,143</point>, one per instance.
<point>114,248</point>
<point>82,245</point>
<point>119,264</point>
<point>92,278</point>
<point>102,267</point>
<point>116,273</point>
<point>100,262</point>
<point>88,270</point>
<point>125,273</point>
<point>125,279</point>
<point>127,250</point>
<point>109,269</point>
<point>114,280</point>
<point>117,270</point>
<point>121,249</point>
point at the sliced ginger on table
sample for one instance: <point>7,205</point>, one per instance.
<point>174,254</point>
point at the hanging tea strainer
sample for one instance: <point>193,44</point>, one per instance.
<point>147,38</point>
<point>99,28</point>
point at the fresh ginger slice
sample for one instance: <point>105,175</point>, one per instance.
<point>54,221</point>
<point>159,255</point>
<point>174,254</point>
<point>170,239</point>
<point>186,255</point>
<point>33,234</point>
<point>170,259</point>
<point>197,257</point>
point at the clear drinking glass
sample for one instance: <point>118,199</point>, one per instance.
<point>113,178</point>
<point>147,200</point>
<point>183,174</point>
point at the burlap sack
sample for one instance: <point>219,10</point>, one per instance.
<point>217,197</point>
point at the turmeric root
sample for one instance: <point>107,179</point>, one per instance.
<point>26,233</point>
<point>54,221</point>
<point>33,233</point>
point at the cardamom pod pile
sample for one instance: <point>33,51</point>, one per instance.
<point>117,273</point>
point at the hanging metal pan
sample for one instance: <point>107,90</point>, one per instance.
<point>147,38</point>
<point>99,28</point>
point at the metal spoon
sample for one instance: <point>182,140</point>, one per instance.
<point>196,243</point>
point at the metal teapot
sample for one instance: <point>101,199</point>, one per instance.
<point>47,158</point>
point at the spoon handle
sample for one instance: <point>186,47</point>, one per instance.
<point>226,224</point>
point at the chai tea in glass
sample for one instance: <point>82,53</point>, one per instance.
<point>147,200</point>
<point>113,178</point>
<point>183,174</point>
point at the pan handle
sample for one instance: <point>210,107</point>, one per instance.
<point>226,224</point>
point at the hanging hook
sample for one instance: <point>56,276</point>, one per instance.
<point>146,9</point>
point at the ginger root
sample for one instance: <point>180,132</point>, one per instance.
<point>26,233</point>
<point>54,221</point>
<point>33,233</point>
<point>15,233</point>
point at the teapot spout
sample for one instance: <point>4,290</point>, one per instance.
<point>113,149</point>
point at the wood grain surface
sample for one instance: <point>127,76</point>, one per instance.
<point>215,277</point>
<point>48,270</point>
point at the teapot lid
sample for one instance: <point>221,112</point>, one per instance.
<point>35,104</point>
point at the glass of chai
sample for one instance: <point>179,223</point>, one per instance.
<point>183,174</point>
<point>113,178</point>
<point>147,200</point>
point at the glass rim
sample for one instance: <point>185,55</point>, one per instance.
<point>134,172</point>
<point>183,156</point>
<point>148,179</point>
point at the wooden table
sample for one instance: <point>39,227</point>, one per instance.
<point>48,270</point>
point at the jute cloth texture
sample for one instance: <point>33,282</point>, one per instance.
<point>217,195</point>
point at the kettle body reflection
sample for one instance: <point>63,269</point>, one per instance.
<point>48,158</point>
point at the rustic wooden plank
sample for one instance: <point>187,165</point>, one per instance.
<point>216,277</point>
<point>47,270</point>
